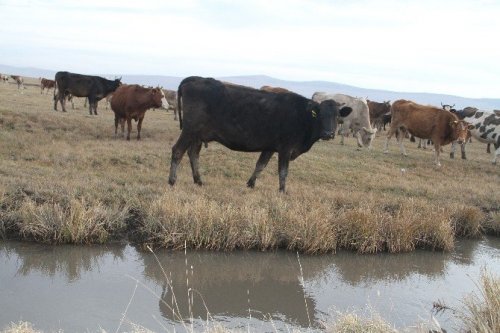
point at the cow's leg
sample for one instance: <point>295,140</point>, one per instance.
<point>117,120</point>
<point>129,127</point>
<point>495,152</point>
<point>63,103</point>
<point>178,151</point>
<point>390,133</point>
<point>462,149</point>
<point>283,161</point>
<point>56,98</point>
<point>93,106</point>
<point>122,124</point>
<point>437,149</point>
<point>175,113</point>
<point>264,158</point>
<point>194,155</point>
<point>401,146</point>
<point>357,135</point>
<point>488,149</point>
<point>139,126</point>
<point>453,148</point>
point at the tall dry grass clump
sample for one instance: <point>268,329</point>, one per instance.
<point>21,327</point>
<point>481,312</point>
<point>74,222</point>
<point>466,221</point>
<point>352,323</point>
<point>259,223</point>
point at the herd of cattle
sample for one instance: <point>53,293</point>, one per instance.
<point>271,119</point>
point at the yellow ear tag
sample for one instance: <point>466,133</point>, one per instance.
<point>313,113</point>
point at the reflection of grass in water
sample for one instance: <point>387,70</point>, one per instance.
<point>70,261</point>
<point>480,314</point>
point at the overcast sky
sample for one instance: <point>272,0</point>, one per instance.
<point>434,46</point>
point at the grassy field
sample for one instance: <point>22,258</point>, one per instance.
<point>65,178</point>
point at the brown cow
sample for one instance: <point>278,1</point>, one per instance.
<point>46,83</point>
<point>274,89</point>
<point>131,102</point>
<point>377,112</point>
<point>426,122</point>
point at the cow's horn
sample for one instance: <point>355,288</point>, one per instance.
<point>368,130</point>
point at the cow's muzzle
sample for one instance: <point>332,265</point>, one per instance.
<point>327,135</point>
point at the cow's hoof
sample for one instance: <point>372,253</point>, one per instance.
<point>198,182</point>
<point>171,182</point>
<point>452,156</point>
<point>251,183</point>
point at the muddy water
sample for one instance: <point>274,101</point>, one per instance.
<point>85,288</point>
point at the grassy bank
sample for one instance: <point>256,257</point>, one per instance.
<point>64,178</point>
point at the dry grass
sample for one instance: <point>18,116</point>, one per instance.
<point>64,178</point>
<point>482,309</point>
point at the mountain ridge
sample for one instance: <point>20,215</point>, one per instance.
<point>305,88</point>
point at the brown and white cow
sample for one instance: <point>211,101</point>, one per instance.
<point>377,112</point>
<point>19,80</point>
<point>358,120</point>
<point>46,84</point>
<point>131,102</point>
<point>426,122</point>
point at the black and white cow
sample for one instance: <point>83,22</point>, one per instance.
<point>486,129</point>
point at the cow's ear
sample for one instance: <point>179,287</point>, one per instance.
<point>471,127</point>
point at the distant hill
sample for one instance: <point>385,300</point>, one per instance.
<point>306,88</point>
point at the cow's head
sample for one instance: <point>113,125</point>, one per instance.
<point>157,96</point>
<point>448,107</point>
<point>460,130</point>
<point>367,136</point>
<point>329,114</point>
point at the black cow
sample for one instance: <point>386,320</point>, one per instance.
<point>94,88</point>
<point>248,120</point>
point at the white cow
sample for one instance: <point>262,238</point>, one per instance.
<point>358,120</point>
<point>486,129</point>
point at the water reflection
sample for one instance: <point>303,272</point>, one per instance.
<point>231,284</point>
<point>66,260</point>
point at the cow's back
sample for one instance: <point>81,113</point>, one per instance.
<point>242,118</point>
<point>426,122</point>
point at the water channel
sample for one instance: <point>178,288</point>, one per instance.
<point>86,288</point>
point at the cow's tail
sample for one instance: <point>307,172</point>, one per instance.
<point>179,105</point>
